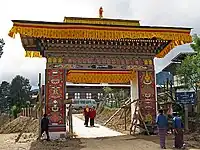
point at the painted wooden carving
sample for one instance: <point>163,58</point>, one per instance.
<point>146,83</point>
<point>55,89</point>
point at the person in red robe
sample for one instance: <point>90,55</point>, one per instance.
<point>92,116</point>
<point>86,114</point>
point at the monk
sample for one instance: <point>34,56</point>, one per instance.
<point>86,114</point>
<point>92,116</point>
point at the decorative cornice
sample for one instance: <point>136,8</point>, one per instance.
<point>102,21</point>
<point>177,36</point>
<point>80,76</point>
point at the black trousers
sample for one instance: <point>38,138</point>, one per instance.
<point>86,120</point>
<point>47,133</point>
<point>91,121</point>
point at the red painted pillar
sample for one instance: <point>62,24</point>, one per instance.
<point>55,95</point>
<point>147,94</point>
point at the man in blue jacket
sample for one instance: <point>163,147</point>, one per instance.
<point>162,124</point>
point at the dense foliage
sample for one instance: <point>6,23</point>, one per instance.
<point>15,95</point>
<point>189,70</point>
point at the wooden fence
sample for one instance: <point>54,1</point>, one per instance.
<point>29,112</point>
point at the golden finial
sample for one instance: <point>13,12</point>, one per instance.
<point>100,12</point>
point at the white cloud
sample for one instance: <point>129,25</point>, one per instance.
<point>150,12</point>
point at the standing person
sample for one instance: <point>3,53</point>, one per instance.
<point>162,123</point>
<point>86,114</point>
<point>92,116</point>
<point>178,131</point>
<point>45,126</point>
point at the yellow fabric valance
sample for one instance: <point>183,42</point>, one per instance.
<point>78,76</point>
<point>94,32</point>
<point>32,54</point>
<point>65,31</point>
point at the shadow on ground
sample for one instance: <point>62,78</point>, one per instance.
<point>69,144</point>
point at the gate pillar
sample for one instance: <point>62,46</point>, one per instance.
<point>147,95</point>
<point>134,94</point>
<point>55,95</point>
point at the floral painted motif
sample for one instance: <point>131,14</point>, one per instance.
<point>55,83</point>
<point>146,83</point>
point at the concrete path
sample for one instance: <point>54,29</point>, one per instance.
<point>92,132</point>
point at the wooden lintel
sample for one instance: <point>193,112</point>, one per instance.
<point>68,101</point>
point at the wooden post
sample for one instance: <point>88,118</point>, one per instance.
<point>23,114</point>
<point>125,117</point>
<point>70,121</point>
<point>40,106</point>
<point>186,116</point>
<point>28,111</point>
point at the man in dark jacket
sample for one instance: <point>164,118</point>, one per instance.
<point>45,126</point>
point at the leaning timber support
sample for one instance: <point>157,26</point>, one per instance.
<point>125,121</point>
<point>126,103</point>
<point>112,116</point>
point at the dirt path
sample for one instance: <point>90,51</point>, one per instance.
<point>89,132</point>
<point>7,142</point>
<point>119,143</point>
<point>113,143</point>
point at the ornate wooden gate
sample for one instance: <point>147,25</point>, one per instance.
<point>93,50</point>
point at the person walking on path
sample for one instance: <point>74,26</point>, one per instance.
<point>86,114</point>
<point>178,131</point>
<point>162,124</point>
<point>45,126</point>
<point>92,116</point>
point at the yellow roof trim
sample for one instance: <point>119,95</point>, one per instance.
<point>65,31</point>
<point>102,21</point>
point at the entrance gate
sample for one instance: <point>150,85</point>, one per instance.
<point>96,50</point>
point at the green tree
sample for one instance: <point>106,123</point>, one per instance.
<point>189,72</point>
<point>196,43</point>
<point>14,111</point>
<point>189,69</point>
<point>4,97</point>
<point>20,92</point>
<point>1,47</point>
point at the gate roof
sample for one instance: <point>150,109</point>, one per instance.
<point>101,29</point>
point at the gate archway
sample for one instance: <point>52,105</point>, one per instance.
<point>94,50</point>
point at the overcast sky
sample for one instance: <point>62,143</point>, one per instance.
<point>151,12</point>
